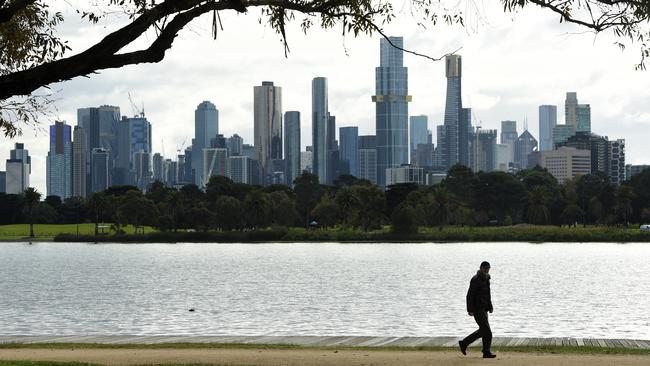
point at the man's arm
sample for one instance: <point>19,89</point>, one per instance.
<point>471,297</point>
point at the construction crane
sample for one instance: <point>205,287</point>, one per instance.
<point>136,112</point>
<point>180,147</point>
<point>475,118</point>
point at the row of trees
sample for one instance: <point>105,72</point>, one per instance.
<point>463,198</point>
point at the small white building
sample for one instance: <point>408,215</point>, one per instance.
<point>404,174</point>
<point>566,162</point>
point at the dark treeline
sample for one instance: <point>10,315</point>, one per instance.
<point>464,198</point>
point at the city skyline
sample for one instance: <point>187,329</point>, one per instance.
<point>494,86</point>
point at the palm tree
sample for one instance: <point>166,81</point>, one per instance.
<point>348,204</point>
<point>32,198</point>
<point>538,212</point>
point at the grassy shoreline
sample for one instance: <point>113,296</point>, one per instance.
<point>522,349</point>
<point>517,233</point>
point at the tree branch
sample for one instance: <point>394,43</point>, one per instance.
<point>104,54</point>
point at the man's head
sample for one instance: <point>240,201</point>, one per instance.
<point>485,267</point>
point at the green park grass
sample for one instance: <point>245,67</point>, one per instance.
<point>523,349</point>
<point>47,232</point>
<point>516,233</point>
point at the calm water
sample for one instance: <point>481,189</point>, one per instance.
<point>595,290</point>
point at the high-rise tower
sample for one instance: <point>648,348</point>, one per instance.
<point>79,158</point>
<point>418,133</point>
<point>267,106</point>
<point>292,146</point>
<point>571,109</point>
<point>206,127</point>
<point>349,150</point>
<point>453,109</point>
<point>319,126</point>
<point>19,167</point>
<point>59,161</point>
<point>391,101</point>
<point>547,122</point>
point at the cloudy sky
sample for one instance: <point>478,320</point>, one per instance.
<point>512,63</point>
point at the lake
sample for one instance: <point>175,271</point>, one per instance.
<point>538,290</point>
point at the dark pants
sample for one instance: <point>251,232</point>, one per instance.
<point>484,332</point>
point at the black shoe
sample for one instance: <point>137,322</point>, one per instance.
<point>489,355</point>
<point>463,348</point>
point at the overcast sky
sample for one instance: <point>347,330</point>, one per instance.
<point>511,65</point>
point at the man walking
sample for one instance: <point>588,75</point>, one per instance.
<point>479,303</point>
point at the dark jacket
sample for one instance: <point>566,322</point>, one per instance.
<point>478,295</point>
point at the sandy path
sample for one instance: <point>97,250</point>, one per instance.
<point>311,357</point>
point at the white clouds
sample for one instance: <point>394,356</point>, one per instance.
<point>510,66</point>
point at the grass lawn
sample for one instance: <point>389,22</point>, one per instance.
<point>47,232</point>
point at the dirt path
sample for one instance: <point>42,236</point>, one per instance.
<point>311,357</point>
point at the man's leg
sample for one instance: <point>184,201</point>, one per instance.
<point>472,337</point>
<point>481,318</point>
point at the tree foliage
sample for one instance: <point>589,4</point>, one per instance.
<point>33,55</point>
<point>359,206</point>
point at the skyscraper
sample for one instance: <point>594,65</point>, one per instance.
<point>547,122</point>
<point>465,133</point>
<point>483,150</point>
<point>453,107</point>
<point>267,107</point>
<point>424,155</point>
<point>584,118</point>
<point>235,143</point>
<point>101,127</point>
<point>188,173</point>
<point>524,145</point>
<point>292,145</point>
<point>333,169</point>
<point>561,133</point>
<point>418,133</point>
<point>240,169</point>
<point>571,109</point>
<point>509,132</point>
<point>215,162</point>
<point>319,123</point>
<point>206,127</point>
<point>349,150</point>
<point>157,167</point>
<point>19,167</point>
<point>134,135</point>
<point>391,103</point>
<point>101,178</point>
<point>616,161</point>
<point>79,153</point>
<point>142,169</point>
<point>170,170</point>
<point>368,158</point>
<point>59,161</point>
<point>306,160</point>
<point>440,149</point>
